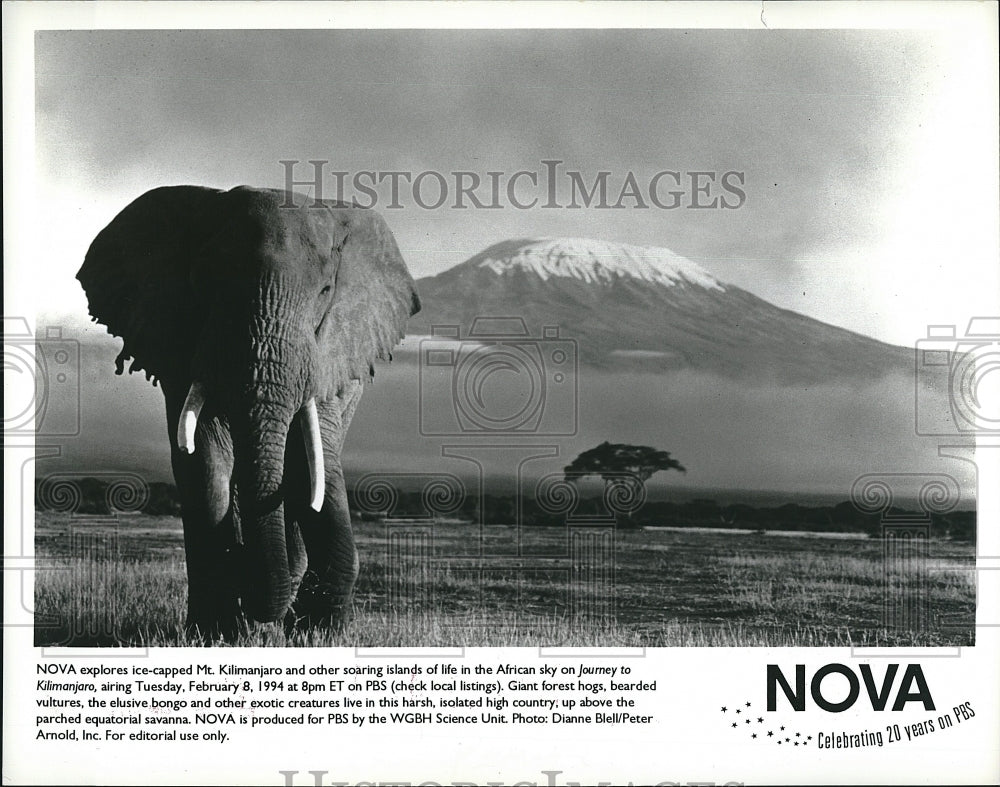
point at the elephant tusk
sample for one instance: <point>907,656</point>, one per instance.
<point>189,417</point>
<point>314,456</point>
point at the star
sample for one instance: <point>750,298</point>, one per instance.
<point>804,743</point>
<point>723,708</point>
<point>796,743</point>
<point>748,721</point>
<point>787,740</point>
<point>738,710</point>
<point>809,737</point>
<point>779,743</point>
<point>798,735</point>
<point>760,719</point>
<point>754,735</point>
<point>734,723</point>
<point>782,729</point>
<point>770,734</point>
<point>748,704</point>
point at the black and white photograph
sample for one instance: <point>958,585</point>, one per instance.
<point>535,344</point>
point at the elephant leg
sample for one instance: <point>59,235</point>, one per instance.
<point>211,529</point>
<point>328,586</point>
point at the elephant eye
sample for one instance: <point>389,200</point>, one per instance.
<point>325,290</point>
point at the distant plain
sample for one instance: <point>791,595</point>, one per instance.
<point>106,584</point>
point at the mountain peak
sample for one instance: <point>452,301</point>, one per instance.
<point>594,261</point>
<point>647,310</point>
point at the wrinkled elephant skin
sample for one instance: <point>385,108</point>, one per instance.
<point>260,313</point>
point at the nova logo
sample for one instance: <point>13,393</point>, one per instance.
<point>912,687</point>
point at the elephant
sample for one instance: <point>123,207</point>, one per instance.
<point>260,314</point>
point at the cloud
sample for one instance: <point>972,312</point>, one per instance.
<point>729,435</point>
<point>821,122</point>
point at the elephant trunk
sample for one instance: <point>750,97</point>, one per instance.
<point>259,445</point>
<point>257,368</point>
<point>271,390</point>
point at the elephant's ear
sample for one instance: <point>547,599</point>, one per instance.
<point>137,276</point>
<point>374,295</point>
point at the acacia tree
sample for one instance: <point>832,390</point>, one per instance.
<point>629,466</point>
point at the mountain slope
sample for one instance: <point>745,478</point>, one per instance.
<point>647,309</point>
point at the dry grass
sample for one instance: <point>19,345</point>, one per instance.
<point>125,586</point>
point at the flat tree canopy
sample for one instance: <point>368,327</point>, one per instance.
<point>611,459</point>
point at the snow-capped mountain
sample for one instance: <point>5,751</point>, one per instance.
<point>594,261</point>
<point>648,309</point>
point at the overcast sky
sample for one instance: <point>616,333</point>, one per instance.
<point>869,156</point>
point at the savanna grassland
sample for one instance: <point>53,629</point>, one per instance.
<point>107,582</point>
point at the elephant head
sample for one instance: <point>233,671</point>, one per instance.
<point>257,311</point>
